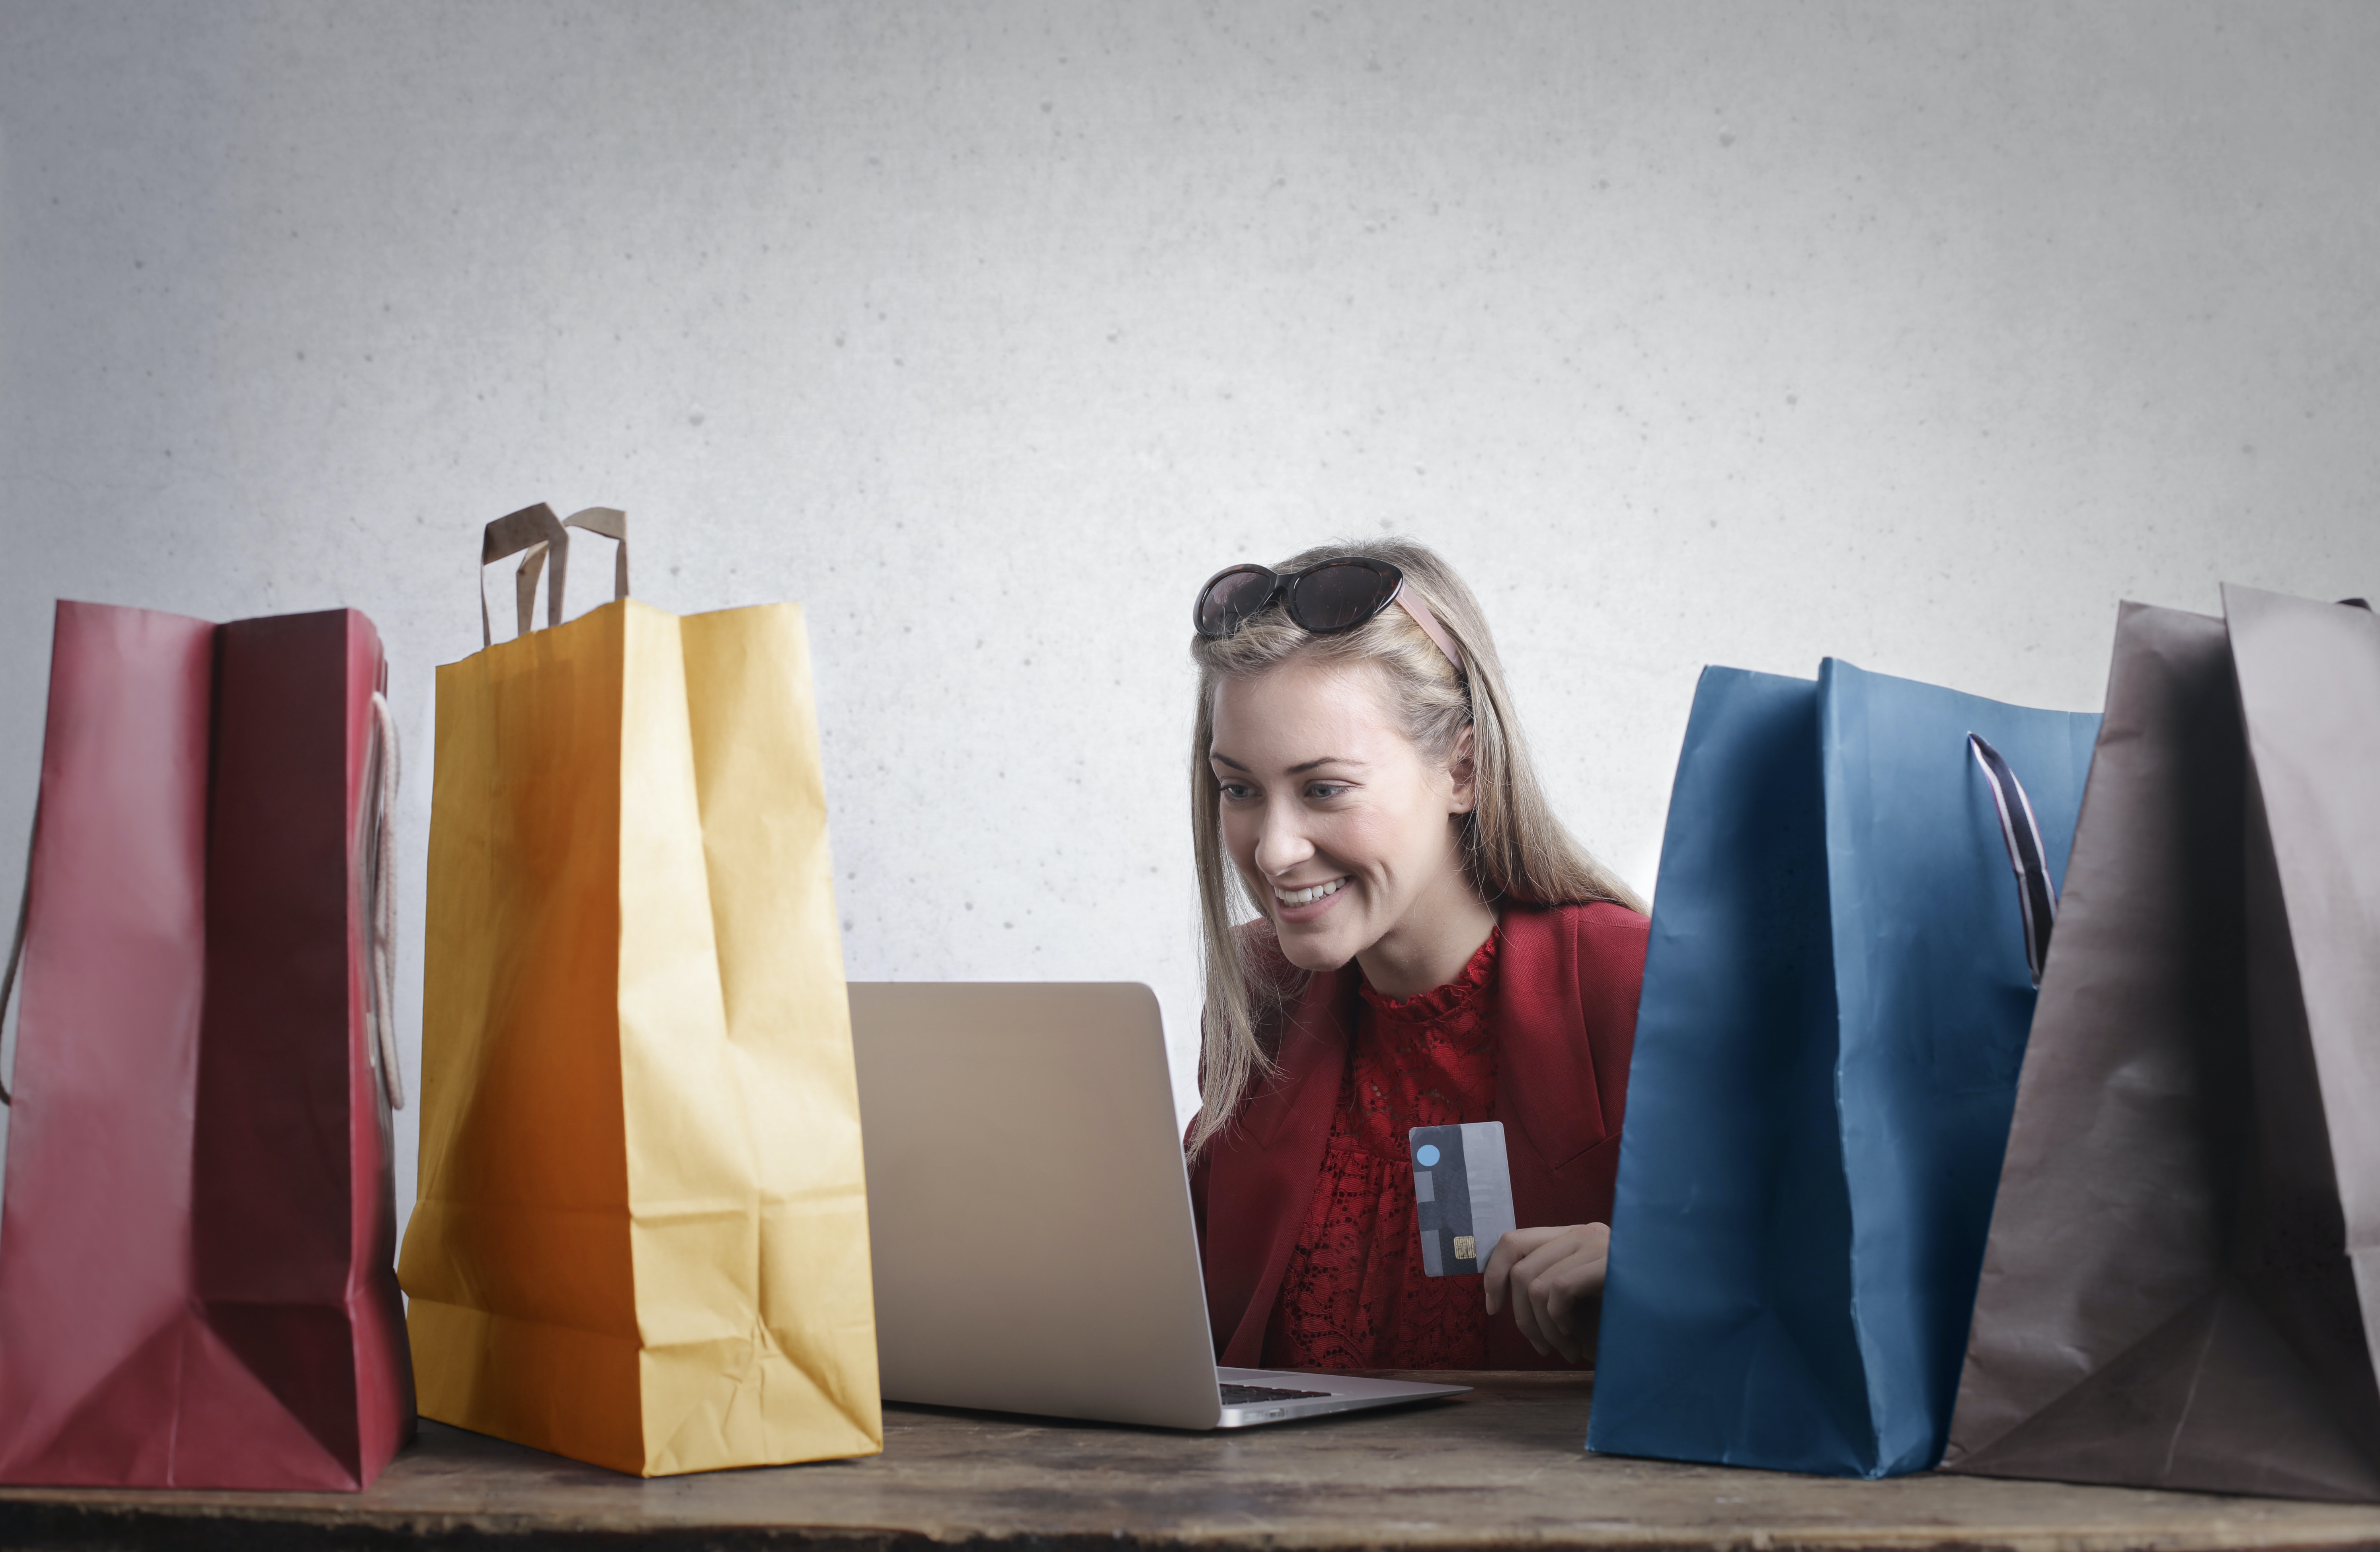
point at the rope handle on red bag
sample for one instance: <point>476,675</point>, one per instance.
<point>534,533</point>
<point>17,945</point>
<point>380,928</point>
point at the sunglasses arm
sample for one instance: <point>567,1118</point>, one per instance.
<point>1411,602</point>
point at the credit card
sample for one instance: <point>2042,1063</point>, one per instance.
<point>1462,1194</point>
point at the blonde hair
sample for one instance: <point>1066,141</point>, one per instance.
<point>1513,848</point>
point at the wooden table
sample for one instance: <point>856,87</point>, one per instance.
<point>1501,1467</point>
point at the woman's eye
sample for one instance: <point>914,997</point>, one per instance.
<point>1325,791</point>
<point>1235,793</point>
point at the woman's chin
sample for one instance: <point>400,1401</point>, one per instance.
<point>1315,945</point>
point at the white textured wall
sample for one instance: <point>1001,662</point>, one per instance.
<point>1914,334</point>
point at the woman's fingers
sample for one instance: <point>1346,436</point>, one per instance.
<point>1497,1273</point>
<point>1543,1273</point>
<point>1534,1251</point>
<point>1550,1307</point>
<point>1576,1275</point>
<point>1524,1315</point>
<point>1559,1290</point>
<point>1507,1254</point>
<point>1550,1279</point>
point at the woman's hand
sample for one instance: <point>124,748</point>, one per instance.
<point>1546,1272</point>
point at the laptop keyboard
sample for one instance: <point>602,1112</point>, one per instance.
<point>1239,1395</point>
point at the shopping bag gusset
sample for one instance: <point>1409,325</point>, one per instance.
<point>2178,1289</point>
<point>196,1287</point>
<point>642,1238</point>
<point>1837,992</point>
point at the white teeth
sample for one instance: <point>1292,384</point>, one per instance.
<point>1308,896</point>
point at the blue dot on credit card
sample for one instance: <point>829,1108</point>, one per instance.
<point>1426,1154</point>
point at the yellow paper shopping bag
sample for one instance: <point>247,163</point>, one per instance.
<point>641,1237</point>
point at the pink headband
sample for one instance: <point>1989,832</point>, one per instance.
<point>1411,602</point>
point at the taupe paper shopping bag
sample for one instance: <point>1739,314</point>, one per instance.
<point>2182,1283</point>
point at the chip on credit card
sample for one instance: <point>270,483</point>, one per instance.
<point>1462,1194</point>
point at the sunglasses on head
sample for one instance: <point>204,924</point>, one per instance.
<point>1334,595</point>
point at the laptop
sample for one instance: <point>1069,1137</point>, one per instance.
<point>1030,1215</point>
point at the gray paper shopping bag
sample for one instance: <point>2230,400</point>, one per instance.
<point>2170,1295</point>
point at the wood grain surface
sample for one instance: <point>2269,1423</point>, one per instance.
<point>1502,1466</point>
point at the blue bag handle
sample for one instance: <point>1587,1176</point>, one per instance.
<point>2021,833</point>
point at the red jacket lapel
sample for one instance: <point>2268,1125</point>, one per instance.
<point>1265,1171</point>
<point>1566,1018</point>
<point>1566,1025</point>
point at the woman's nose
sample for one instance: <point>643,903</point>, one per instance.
<point>1281,845</point>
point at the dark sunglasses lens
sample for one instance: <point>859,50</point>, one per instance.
<point>1231,599</point>
<point>1340,595</point>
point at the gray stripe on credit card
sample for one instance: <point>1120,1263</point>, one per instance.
<point>1490,1179</point>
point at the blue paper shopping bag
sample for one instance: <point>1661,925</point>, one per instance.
<point>1857,883</point>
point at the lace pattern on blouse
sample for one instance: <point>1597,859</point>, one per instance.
<point>1354,1296</point>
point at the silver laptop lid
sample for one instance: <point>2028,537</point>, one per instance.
<point>1029,1214</point>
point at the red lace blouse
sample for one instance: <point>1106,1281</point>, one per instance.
<point>1354,1296</point>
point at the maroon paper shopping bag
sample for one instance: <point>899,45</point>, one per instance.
<point>2180,1287</point>
<point>196,1283</point>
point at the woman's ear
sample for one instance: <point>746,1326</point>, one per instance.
<point>1464,771</point>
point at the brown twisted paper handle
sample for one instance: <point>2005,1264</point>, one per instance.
<point>534,533</point>
<point>535,529</point>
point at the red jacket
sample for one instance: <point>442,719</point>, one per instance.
<point>1563,1008</point>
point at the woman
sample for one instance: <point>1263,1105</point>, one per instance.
<point>1432,948</point>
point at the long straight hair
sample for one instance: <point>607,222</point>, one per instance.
<point>1513,848</point>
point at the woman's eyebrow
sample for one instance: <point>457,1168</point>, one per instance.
<point>1295,770</point>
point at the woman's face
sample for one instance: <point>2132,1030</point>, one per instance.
<point>1339,827</point>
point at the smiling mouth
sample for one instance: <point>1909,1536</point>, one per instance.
<point>1308,896</point>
